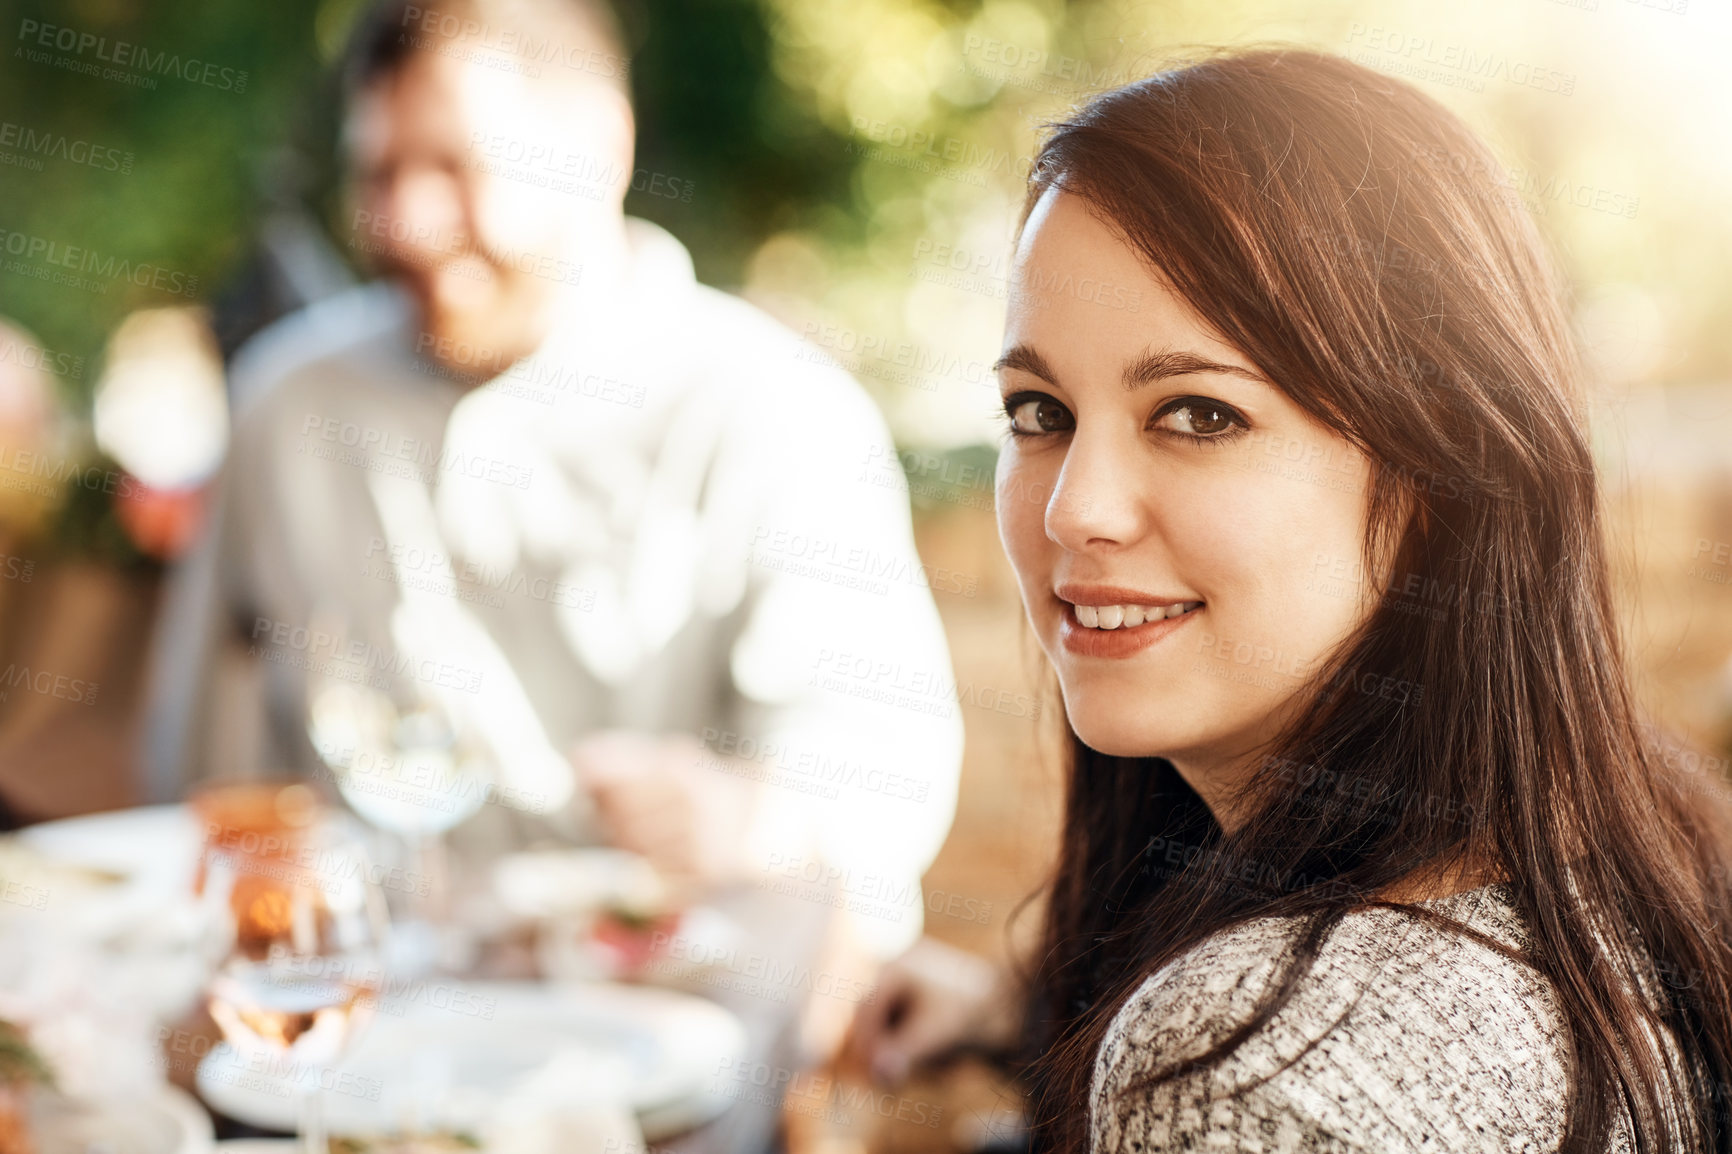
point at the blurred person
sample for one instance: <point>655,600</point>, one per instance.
<point>1367,845</point>
<point>29,420</point>
<point>29,429</point>
<point>627,511</point>
<point>72,632</point>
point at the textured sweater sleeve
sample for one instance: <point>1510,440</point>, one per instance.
<point>1401,1036</point>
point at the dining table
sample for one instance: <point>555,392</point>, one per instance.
<point>104,959</point>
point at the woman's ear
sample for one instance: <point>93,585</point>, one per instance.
<point>1388,539</point>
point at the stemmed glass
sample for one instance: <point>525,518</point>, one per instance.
<point>406,762</point>
<point>298,931</point>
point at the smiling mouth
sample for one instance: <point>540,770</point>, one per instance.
<point>1109,617</point>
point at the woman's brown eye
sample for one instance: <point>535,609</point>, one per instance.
<point>1043,415</point>
<point>1200,419</point>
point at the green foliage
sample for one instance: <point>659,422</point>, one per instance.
<point>712,112</point>
<point>19,1063</point>
<point>87,526</point>
<point>754,109</point>
<point>189,200</point>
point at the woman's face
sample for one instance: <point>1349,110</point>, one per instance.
<point>1187,539</point>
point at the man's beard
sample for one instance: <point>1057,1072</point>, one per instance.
<point>478,338</point>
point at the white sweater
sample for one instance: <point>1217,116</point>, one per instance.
<point>1407,1037</point>
<point>673,518</point>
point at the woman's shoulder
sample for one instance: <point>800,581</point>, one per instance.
<point>1403,1034</point>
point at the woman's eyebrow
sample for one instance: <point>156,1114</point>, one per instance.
<point>1026,359</point>
<point>1145,370</point>
<point>1155,366</point>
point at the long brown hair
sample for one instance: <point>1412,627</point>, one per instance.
<point>1352,238</point>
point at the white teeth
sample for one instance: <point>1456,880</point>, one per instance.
<point>1116,616</point>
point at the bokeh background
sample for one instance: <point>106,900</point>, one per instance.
<point>854,166</point>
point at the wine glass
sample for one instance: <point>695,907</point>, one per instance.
<point>298,932</point>
<point>408,763</point>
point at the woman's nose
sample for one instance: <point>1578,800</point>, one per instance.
<point>1095,501</point>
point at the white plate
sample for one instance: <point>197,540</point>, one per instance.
<point>438,1054</point>
<point>549,883</point>
<point>154,849</point>
<point>168,1122</point>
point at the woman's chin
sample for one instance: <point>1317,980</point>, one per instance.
<point>1113,739</point>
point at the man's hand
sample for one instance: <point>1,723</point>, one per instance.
<point>669,799</point>
<point>931,999</point>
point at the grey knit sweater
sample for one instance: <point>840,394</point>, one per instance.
<point>1426,1040</point>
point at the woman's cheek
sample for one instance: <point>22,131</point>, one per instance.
<point>1220,528</point>
<point>1020,499</point>
<point>1020,508</point>
<point>1288,561</point>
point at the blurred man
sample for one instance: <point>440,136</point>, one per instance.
<point>621,522</point>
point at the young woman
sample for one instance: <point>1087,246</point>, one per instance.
<point>1366,846</point>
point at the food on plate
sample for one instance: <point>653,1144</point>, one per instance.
<point>21,1069</point>
<point>443,1142</point>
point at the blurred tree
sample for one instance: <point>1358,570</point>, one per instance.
<point>827,146</point>
<point>194,92</point>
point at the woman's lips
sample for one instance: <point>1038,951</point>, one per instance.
<point>1124,641</point>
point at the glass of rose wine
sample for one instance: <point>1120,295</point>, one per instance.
<point>298,929</point>
<point>407,764</point>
